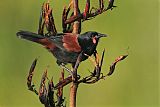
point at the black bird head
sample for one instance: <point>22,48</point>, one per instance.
<point>89,40</point>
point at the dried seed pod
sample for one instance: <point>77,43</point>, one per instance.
<point>30,76</point>
<point>113,65</point>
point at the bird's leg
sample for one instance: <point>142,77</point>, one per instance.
<point>75,76</point>
<point>94,62</point>
<point>67,69</point>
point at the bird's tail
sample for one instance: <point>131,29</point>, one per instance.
<point>43,40</point>
<point>30,36</point>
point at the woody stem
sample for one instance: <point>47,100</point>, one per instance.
<point>74,84</point>
<point>73,93</point>
<point>76,12</point>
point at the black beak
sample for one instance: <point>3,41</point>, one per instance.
<point>101,35</point>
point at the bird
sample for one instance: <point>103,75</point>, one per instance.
<point>66,47</point>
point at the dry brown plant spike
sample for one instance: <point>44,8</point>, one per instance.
<point>70,24</point>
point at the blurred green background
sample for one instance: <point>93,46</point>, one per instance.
<point>132,28</point>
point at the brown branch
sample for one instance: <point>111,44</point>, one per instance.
<point>76,30</point>
<point>87,15</point>
<point>77,16</point>
<point>64,82</point>
<point>86,10</point>
<point>46,96</point>
<point>60,99</point>
<point>73,94</point>
<point>74,83</point>
<point>76,12</point>
<point>96,75</point>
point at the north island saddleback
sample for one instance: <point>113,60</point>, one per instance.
<point>66,47</point>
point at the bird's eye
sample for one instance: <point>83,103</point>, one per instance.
<point>93,35</point>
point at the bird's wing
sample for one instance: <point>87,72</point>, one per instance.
<point>67,42</point>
